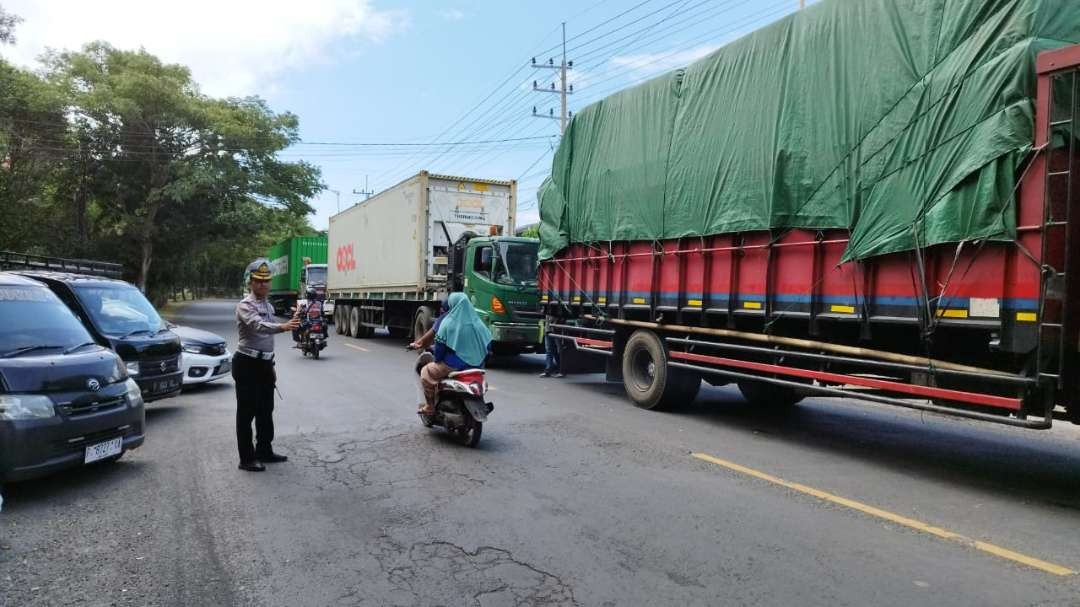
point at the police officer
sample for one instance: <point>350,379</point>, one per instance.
<point>253,369</point>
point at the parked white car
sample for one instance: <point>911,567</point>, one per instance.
<point>205,356</point>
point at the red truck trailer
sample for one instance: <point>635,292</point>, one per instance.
<point>982,328</point>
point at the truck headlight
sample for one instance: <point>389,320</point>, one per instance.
<point>134,393</point>
<point>25,406</point>
<point>132,367</point>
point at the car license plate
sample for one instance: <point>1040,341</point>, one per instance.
<point>167,385</point>
<point>103,450</point>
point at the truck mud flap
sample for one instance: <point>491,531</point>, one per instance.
<point>580,355</point>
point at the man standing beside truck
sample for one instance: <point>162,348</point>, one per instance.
<point>253,369</point>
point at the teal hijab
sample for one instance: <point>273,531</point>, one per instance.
<point>462,331</point>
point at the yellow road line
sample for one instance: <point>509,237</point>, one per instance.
<point>356,347</point>
<point>944,534</point>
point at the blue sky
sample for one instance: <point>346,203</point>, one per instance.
<point>392,72</point>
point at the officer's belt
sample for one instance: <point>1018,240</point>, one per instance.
<point>253,353</point>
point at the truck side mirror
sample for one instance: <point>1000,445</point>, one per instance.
<point>483,260</point>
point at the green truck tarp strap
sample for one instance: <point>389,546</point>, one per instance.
<point>905,121</point>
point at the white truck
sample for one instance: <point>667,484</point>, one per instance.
<point>394,257</point>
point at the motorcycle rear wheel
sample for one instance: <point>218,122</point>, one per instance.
<point>470,436</point>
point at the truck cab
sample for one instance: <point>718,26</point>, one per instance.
<point>314,275</point>
<point>498,274</point>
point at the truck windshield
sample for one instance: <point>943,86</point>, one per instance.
<point>119,310</point>
<point>316,276</point>
<point>517,263</point>
<point>33,316</point>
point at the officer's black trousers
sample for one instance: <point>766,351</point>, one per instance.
<point>255,380</point>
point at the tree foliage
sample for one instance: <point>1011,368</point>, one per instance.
<point>114,154</point>
<point>7,26</point>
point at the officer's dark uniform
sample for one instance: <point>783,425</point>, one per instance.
<point>253,373</point>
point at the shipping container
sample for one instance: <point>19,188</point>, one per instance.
<point>397,255</point>
<point>288,260</point>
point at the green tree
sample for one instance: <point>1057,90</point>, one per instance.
<point>7,26</point>
<point>33,147</point>
<point>166,168</point>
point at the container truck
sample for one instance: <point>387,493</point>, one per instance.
<point>398,254</point>
<point>895,227</point>
<point>296,263</point>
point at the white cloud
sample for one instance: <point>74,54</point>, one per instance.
<point>652,63</point>
<point>453,14</point>
<point>233,47</point>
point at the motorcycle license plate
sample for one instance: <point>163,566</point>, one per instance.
<point>102,450</point>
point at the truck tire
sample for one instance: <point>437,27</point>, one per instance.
<point>354,322</point>
<point>649,381</point>
<point>343,313</point>
<point>422,321</point>
<point>769,395</point>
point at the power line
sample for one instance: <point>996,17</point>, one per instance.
<point>628,24</point>
<point>621,72</point>
<point>636,35</point>
<point>598,25</point>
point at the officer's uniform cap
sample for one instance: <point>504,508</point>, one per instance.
<point>259,269</point>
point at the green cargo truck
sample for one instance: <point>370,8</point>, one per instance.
<point>296,263</point>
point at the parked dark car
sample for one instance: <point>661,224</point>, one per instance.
<point>64,399</point>
<point>119,315</point>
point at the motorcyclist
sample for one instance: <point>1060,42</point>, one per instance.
<point>462,341</point>
<point>310,311</point>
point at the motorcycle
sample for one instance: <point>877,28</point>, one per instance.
<point>461,406</point>
<point>312,335</point>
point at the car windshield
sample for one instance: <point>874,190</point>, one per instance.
<point>33,316</point>
<point>119,309</point>
<point>517,263</point>
<point>316,276</point>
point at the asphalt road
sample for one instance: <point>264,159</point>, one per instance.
<point>574,497</point>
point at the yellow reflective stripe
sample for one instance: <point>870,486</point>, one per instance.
<point>753,305</point>
<point>694,302</point>
<point>843,309</point>
<point>952,313</point>
<point>1027,316</point>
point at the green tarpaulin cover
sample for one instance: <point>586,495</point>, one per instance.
<point>905,121</point>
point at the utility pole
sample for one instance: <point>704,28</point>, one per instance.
<point>563,90</point>
<point>366,192</point>
<point>338,194</point>
<point>802,4</point>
